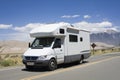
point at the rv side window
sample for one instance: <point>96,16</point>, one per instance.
<point>81,39</point>
<point>73,38</point>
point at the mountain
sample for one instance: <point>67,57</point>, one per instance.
<point>13,46</point>
<point>110,37</point>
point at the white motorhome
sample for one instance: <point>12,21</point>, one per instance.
<point>56,44</point>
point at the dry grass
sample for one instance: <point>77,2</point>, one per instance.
<point>15,59</point>
<point>10,60</point>
<point>104,51</point>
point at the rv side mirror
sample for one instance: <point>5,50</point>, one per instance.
<point>29,45</point>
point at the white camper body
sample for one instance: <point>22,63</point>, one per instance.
<point>57,44</point>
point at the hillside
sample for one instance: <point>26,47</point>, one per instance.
<point>13,46</point>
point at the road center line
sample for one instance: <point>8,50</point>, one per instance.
<point>68,69</point>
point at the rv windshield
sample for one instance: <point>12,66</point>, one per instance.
<point>42,42</point>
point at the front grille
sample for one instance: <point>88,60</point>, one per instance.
<point>31,58</point>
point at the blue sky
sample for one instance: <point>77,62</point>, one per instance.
<point>18,14</point>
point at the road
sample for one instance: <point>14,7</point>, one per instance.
<point>100,67</point>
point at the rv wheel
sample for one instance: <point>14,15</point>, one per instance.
<point>52,65</point>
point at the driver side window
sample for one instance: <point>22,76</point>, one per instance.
<point>57,43</point>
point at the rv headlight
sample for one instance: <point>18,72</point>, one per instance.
<point>42,57</point>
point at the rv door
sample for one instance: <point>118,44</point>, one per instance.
<point>59,50</point>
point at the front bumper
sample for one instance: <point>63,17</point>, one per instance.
<point>36,63</point>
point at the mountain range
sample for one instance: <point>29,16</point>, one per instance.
<point>110,37</point>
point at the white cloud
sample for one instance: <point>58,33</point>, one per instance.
<point>75,16</point>
<point>4,26</point>
<point>100,24</point>
<point>28,27</point>
<point>16,36</point>
<point>95,27</point>
<point>86,16</point>
<point>70,16</point>
<point>105,24</point>
<point>23,31</point>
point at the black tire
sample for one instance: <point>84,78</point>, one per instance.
<point>52,65</point>
<point>82,59</point>
<point>77,62</point>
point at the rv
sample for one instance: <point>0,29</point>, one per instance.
<point>57,44</point>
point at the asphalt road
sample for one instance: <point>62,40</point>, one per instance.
<point>101,67</point>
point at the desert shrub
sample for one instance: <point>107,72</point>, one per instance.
<point>7,62</point>
<point>10,60</point>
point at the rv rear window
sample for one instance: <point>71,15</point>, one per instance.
<point>73,38</point>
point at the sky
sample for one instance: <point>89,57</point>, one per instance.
<point>19,17</point>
